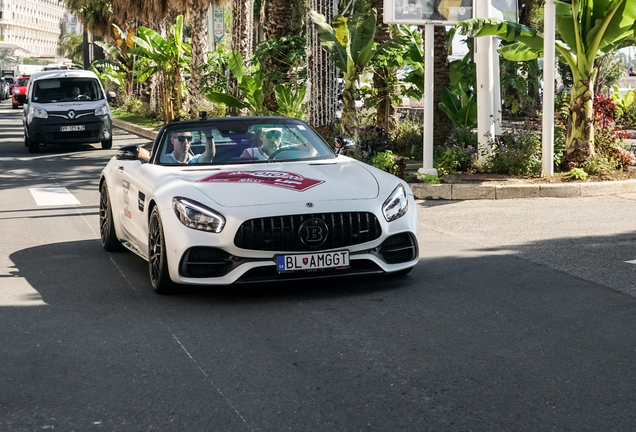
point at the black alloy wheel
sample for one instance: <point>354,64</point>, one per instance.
<point>107,233</point>
<point>157,260</point>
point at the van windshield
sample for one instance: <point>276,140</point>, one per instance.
<point>67,90</point>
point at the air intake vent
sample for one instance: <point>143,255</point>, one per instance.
<point>399,248</point>
<point>203,262</point>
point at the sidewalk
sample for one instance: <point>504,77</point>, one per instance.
<point>462,191</point>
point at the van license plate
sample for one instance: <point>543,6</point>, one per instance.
<point>313,261</point>
<point>72,128</point>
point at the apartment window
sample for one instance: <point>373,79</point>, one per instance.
<point>0,14</point>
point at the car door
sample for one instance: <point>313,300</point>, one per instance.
<point>131,214</point>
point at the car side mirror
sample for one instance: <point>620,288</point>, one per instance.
<point>111,96</point>
<point>343,142</point>
<point>129,152</point>
<point>22,98</point>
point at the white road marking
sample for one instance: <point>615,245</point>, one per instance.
<point>53,196</point>
<point>631,262</point>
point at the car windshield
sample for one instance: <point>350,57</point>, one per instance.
<point>22,82</point>
<point>9,80</point>
<point>67,89</point>
<point>240,141</point>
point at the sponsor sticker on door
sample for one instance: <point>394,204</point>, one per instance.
<point>281,179</point>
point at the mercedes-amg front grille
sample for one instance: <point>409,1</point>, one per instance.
<point>289,233</point>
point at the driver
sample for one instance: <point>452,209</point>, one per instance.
<point>181,141</point>
<point>269,142</point>
<point>76,92</point>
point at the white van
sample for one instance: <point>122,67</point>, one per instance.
<point>66,107</point>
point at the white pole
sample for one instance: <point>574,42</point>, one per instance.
<point>484,66</point>
<point>497,86</point>
<point>429,60</point>
<point>548,89</point>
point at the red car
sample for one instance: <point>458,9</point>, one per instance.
<point>18,89</point>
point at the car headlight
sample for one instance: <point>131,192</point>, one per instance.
<point>197,216</point>
<point>40,113</point>
<point>16,91</point>
<point>396,204</point>
<point>101,110</point>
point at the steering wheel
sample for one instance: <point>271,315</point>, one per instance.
<point>82,98</point>
<point>286,149</point>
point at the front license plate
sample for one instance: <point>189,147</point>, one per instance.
<point>72,128</point>
<point>313,261</point>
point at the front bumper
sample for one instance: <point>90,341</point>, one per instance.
<point>48,130</point>
<point>248,266</point>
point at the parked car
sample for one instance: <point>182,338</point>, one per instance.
<point>11,82</point>
<point>19,88</point>
<point>298,212</point>
<point>5,89</point>
<point>66,107</point>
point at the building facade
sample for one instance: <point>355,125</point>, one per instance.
<point>35,25</point>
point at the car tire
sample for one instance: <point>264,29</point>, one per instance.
<point>107,233</point>
<point>157,259</point>
<point>26,140</point>
<point>15,106</point>
<point>108,144</point>
<point>34,147</point>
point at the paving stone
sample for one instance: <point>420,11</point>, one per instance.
<point>563,190</point>
<point>625,186</point>
<point>518,191</point>
<point>469,191</point>
<point>434,191</point>
<point>598,188</point>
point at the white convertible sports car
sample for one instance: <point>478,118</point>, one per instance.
<point>257,199</point>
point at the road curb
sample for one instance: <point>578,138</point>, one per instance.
<point>461,191</point>
<point>135,129</point>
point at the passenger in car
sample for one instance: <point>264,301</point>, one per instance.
<point>267,143</point>
<point>181,141</point>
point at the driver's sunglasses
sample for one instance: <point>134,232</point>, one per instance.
<point>182,138</point>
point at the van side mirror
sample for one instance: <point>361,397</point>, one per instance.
<point>111,96</point>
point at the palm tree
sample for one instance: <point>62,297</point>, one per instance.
<point>96,16</point>
<point>71,46</point>
<point>442,123</point>
<point>386,108</point>
<point>242,40</point>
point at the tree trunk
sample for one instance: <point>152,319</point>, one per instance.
<point>386,109</point>
<point>199,34</point>
<point>323,74</point>
<point>86,55</point>
<point>443,125</point>
<point>580,128</point>
<point>349,118</point>
<point>242,41</point>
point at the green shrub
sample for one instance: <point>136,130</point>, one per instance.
<point>516,152</point>
<point>578,174</point>
<point>448,160</point>
<point>390,162</point>
<point>428,178</point>
<point>408,137</point>
<point>599,165</point>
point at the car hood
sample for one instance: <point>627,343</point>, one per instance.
<point>279,183</point>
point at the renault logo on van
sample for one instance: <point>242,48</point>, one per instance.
<point>71,114</point>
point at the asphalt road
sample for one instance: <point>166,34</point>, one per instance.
<point>520,316</point>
